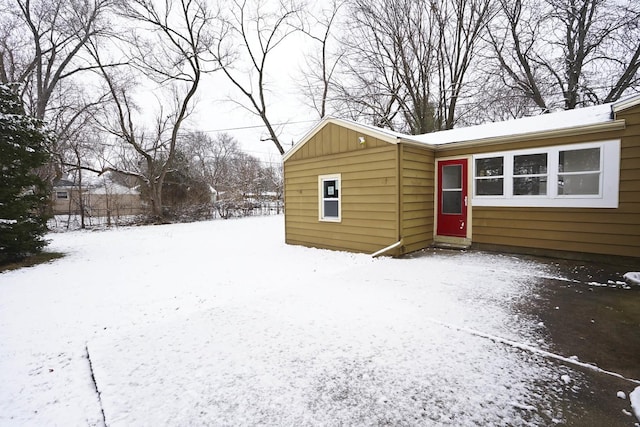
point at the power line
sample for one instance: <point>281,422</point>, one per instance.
<point>254,126</point>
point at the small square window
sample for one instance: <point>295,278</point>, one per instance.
<point>530,164</point>
<point>490,167</point>
<point>490,187</point>
<point>330,189</point>
<point>586,160</point>
<point>330,198</point>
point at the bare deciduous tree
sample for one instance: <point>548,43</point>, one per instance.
<point>213,158</point>
<point>409,61</point>
<point>460,27</point>
<point>370,86</point>
<point>172,51</point>
<point>78,142</point>
<point>321,65</point>
<point>241,181</point>
<point>43,47</point>
<point>568,53</point>
<point>251,33</point>
<point>43,41</point>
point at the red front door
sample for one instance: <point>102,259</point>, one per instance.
<point>452,198</point>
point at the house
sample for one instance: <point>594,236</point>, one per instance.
<point>565,184</point>
<point>101,197</point>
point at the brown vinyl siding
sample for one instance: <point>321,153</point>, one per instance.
<point>388,191</point>
<point>334,139</point>
<point>369,190</point>
<point>417,168</point>
<point>557,230</point>
<point>630,170</point>
<point>597,231</point>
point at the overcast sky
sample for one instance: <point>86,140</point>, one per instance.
<point>215,113</point>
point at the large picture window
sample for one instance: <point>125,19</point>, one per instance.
<point>330,193</point>
<point>578,175</point>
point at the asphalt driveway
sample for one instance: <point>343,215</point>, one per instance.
<point>594,316</point>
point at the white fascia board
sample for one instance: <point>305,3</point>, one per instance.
<point>626,103</point>
<point>374,132</point>
<point>557,133</point>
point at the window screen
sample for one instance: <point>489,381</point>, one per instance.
<point>579,172</point>
<point>584,175</point>
<point>330,198</point>
<point>530,174</point>
<point>489,176</point>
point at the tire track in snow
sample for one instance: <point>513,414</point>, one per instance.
<point>95,384</point>
<point>568,360</point>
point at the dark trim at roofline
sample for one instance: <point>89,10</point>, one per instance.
<point>423,145</point>
<point>530,136</point>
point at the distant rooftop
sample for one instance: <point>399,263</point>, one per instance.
<point>97,185</point>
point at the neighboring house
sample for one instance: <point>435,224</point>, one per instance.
<point>101,198</point>
<point>562,184</point>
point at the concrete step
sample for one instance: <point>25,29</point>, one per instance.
<point>453,246</point>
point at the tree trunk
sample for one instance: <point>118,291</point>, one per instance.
<point>155,188</point>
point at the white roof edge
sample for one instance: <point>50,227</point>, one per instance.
<point>517,137</point>
<point>583,120</point>
<point>530,126</point>
<point>304,139</point>
<point>626,103</point>
<point>380,133</point>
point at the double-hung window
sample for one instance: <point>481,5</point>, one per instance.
<point>329,200</point>
<point>579,175</point>
<point>489,179</point>
<point>579,172</point>
<point>530,174</point>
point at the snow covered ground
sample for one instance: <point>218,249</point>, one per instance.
<point>221,323</point>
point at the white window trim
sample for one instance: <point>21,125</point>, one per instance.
<point>338,178</point>
<point>609,179</point>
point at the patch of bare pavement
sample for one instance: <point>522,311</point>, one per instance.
<point>589,314</point>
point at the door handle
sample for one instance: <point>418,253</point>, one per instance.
<point>461,225</point>
<point>465,201</point>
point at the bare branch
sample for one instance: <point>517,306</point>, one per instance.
<point>255,33</point>
<point>569,53</point>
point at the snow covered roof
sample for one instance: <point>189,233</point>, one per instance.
<point>113,188</point>
<point>583,120</point>
<point>527,125</point>
<point>97,185</point>
<point>63,183</point>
